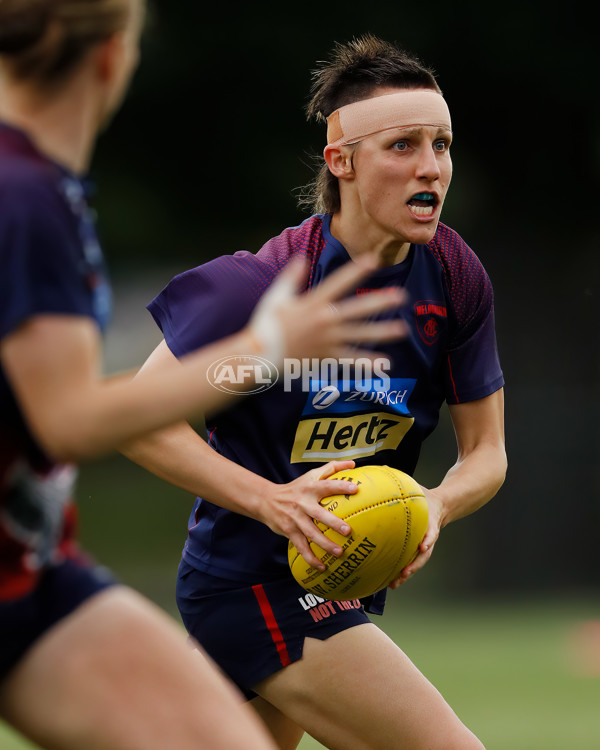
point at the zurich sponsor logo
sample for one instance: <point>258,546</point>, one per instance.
<point>351,400</point>
<point>325,397</point>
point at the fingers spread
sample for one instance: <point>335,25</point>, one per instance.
<point>290,280</point>
<point>327,487</point>
<point>344,279</point>
<point>303,547</point>
<point>332,467</point>
<point>380,300</point>
<point>377,331</point>
<point>327,518</point>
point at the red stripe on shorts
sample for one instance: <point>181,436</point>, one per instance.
<point>271,623</point>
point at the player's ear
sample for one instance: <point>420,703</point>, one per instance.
<point>339,161</point>
<point>109,57</point>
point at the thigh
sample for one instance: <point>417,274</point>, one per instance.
<point>358,689</point>
<point>60,590</point>
<point>286,733</point>
<point>118,673</point>
<point>252,631</point>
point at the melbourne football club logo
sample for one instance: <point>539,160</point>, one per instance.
<point>430,318</point>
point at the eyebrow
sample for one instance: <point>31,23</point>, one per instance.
<point>418,129</point>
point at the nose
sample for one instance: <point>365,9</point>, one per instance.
<point>428,167</point>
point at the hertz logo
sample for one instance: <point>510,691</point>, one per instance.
<point>348,437</point>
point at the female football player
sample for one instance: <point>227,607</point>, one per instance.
<point>84,662</point>
<point>384,179</point>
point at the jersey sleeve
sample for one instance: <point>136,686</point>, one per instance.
<point>472,369</point>
<point>209,302</point>
<point>39,255</point>
<point>216,299</point>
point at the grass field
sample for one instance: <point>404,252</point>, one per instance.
<point>507,670</point>
<point>504,666</point>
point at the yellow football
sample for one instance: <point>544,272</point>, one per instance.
<point>388,516</point>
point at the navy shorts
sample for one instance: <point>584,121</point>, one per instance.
<point>251,632</point>
<point>61,589</point>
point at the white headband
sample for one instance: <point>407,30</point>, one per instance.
<point>409,107</point>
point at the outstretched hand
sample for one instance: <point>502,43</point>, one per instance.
<point>321,322</point>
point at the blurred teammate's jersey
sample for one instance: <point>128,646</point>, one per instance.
<point>51,263</point>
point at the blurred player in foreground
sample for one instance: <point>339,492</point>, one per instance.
<point>86,663</point>
<point>305,665</point>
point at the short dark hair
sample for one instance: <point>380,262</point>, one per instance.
<point>352,73</point>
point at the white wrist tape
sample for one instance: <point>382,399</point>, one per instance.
<point>266,325</point>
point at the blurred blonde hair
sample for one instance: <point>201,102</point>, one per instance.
<point>43,40</point>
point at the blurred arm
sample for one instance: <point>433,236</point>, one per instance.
<point>53,361</point>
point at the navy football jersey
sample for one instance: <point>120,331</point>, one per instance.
<point>449,356</point>
<point>51,263</point>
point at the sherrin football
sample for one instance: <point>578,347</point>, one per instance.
<point>388,516</point>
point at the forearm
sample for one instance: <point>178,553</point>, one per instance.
<point>77,414</point>
<point>181,457</point>
<point>471,482</point>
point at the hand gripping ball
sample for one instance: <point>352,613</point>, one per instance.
<point>388,516</point>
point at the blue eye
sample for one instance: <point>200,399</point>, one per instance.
<point>401,145</point>
<point>441,145</point>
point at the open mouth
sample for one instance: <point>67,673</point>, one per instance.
<point>422,204</point>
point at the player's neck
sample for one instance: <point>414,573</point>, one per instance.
<point>361,238</point>
<point>63,127</point>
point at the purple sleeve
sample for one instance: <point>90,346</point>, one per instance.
<point>40,253</point>
<point>209,302</point>
<point>472,369</point>
<point>216,299</point>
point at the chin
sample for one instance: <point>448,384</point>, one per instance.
<point>423,234</point>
